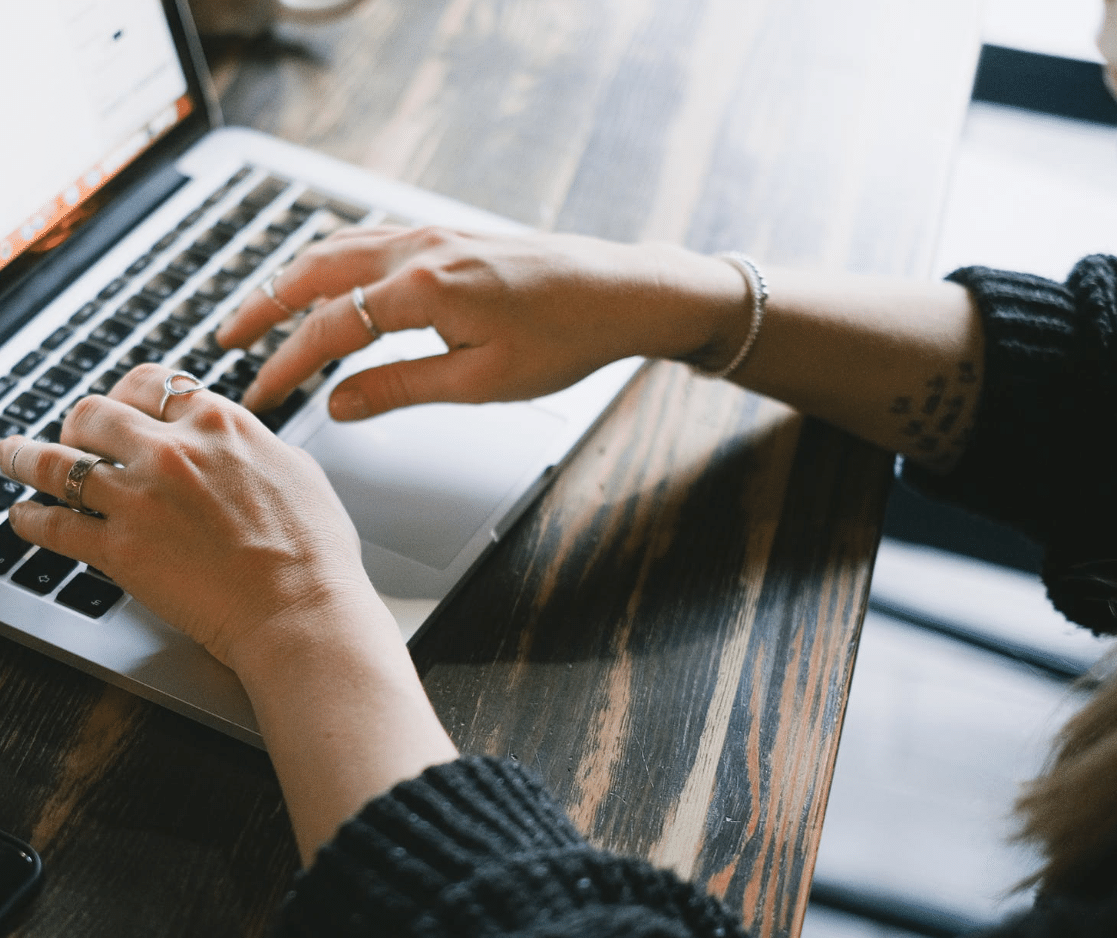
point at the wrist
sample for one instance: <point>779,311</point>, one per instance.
<point>708,309</point>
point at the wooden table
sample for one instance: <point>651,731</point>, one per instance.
<point>668,637</point>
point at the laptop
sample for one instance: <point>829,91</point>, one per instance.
<point>131,223</point>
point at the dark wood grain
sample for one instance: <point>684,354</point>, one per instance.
<point>669,635</point>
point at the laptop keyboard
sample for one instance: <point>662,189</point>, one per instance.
<point>163,308</point>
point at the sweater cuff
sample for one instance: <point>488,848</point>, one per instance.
<point>1039,457</point>
<point>478,847</point>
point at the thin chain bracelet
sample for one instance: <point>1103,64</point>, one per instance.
<point>758,287</point>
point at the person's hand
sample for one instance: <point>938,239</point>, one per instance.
<point>208,518</point>
<point>522,316</point>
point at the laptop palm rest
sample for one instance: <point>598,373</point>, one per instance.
<point>424,483</point>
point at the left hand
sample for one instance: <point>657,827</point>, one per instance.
<point>521,315</point>
<point>208,518</point>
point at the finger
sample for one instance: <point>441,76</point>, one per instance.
<point>333,330</point>
<point>454,377</point>
<point>46,467</point>
<point>158,392</point>
<point>329,268</point>
<point>74,535</point>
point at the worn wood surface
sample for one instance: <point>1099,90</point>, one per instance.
<point>668,636</point>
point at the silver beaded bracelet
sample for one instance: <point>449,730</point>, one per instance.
<point>758,287</point>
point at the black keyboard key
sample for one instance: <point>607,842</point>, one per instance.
<point>275,419</point>
<point>243,372</point>
<point>56,338</point>
<point>264,193</point>
<point>194,364</point>
<point>85,313</point>
<point>10,428</point>
<point>165,242</point>
<point>51,433</point>
<point>192,311</point>
<point>217,287</point>
<point>140,355</point>
<point>210,242</point>
<point>28,364</point>
<point>43,571</point>
<point>265,242</point>
<point>56,381</point>
<point>166,335</point>
<point>208,348</point>
<point>112,289</point>
<point>187,264</point>
<point>137,308</point>
<point>140,264</point>
<point>237,217</point>
<point>243,265</point>
<point>230,391</point>
<point>10,493</point>
<point>192,219</point>
<point>163,285</point>
<point>112,332</point>
<point>89,595</point>
<point>28,407</point>
<point>289,220</point>
<point>6,384</point>
<point>107,381</point>
<point>13,548</point>
<point>84,357</point>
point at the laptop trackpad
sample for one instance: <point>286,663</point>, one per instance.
<point>422,481</point>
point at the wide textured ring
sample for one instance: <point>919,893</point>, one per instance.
<point>358,297</point>
<point>75,480</point>
<point>268,286</point>
<point>169,389</point>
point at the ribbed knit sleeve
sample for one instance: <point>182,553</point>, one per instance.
<point>476,847</point>
<point>1042,452</point>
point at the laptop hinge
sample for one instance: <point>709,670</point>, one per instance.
<point>27,296</point>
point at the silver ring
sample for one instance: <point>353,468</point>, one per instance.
<point>358,297</point>
<point>75,481</point>
<point>169,389</point>
<point>12,461</point>
<point>268,286</point>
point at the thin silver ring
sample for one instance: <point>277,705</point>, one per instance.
<point>75,481</point>
<point>12,461</point>
<point>169,389</point>
<point>358,298</point>
<point>268,286</point>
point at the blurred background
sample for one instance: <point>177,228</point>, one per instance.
<point>965,673</point>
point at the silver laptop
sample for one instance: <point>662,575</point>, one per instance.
<point>130,224</point>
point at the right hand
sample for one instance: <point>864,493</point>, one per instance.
<point>226,532</point>
<point>522,316</point>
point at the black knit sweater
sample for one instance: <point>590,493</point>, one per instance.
<point>478,848</point>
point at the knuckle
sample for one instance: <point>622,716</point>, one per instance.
<point>225,419</point>
<point>83,411</point>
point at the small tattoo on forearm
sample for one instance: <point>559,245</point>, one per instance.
<point>936,436</point>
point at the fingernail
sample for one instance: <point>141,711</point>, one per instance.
<point>348,404</point>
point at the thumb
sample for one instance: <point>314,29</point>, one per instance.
<point>437,378</point>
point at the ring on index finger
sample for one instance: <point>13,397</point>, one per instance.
<point>75,482</point>
<point>169,389</point>
<point>358,297</point>
<point>268,286</point>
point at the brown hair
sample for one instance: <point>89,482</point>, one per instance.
<point>1070,811</point>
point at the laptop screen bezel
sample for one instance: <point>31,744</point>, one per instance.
<point>30,282</point>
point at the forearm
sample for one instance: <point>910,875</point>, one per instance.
<point>898,363</point>
<point>343,714</point>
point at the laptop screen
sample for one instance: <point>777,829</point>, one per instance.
<point>89,86</point>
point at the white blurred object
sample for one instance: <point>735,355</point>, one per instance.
<point>252,17</point>
<point>1066,28</point>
